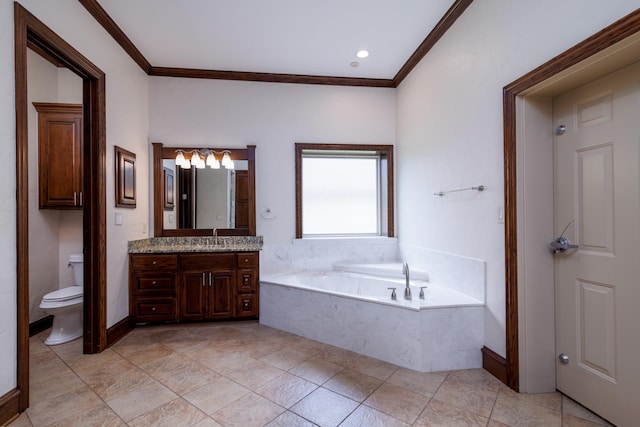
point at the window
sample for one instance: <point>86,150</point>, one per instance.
<point>344,190</point>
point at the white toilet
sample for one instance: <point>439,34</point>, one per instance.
<point>65,305</point>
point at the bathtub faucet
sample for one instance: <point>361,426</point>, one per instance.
<point>407,289</point>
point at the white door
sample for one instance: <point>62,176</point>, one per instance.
<point>597,192</point>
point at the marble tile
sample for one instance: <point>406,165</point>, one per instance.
<point>518,410</point>
<point>174,413</point>
<point>53,387</point>
<point>316,370</point>
<point>215,395</point>
<point>23,421</point>
<point>550,401</point>
<point>253,374</point>
<point>468,397</point>
<point>398,402</point>
<point>100,415</point>
<point>149,354</point>
<point>249,411</point>
<point>63,406</point>
<point>573,421</point>
<point>180,374</point>
<point>369,417</point>
<point>109,382</point>
<point>424,383</point>
<point>441,414</point>
<point>324,407</point>
<point>374,367</point>
<point>353,384</point>
<point>573,408</point>
<point>338,356</point>
<point>140,399</point>
<point>285,359</point>
<point>289,419</point>
<point>208,422</point>
<point>475,377</point>
<point>286,389</point>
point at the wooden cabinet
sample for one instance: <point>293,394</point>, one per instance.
<point>152,287</point>
<point>193,286</point>
<point>60,171</point>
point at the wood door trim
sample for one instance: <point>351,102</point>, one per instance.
<point>614,33</point>
<point>29,30</point>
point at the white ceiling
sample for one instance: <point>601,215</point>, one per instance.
<point>310,37</point>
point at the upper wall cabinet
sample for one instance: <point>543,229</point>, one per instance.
<point>60,155</point>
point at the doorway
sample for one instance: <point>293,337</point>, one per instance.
<point>528,142</point>
<point>30,32</point>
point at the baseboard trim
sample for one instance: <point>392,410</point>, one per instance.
<point>9,406</point>
<point>40,325</point>
<point>119,330</point>
<point>495,364</point>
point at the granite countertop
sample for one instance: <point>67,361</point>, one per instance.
<point>196,244</point>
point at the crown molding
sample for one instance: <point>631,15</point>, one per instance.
<point>268,77</point>
<point>103,18</point>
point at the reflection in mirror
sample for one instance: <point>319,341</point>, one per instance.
<point>206,198</point>
<point>192,201</point>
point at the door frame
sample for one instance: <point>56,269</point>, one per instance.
<point>524,103</point>
<point>29,31</point>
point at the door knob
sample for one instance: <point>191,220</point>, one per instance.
<point>564,359</point>
<point>561,244</point>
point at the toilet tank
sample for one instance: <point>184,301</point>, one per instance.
<point>76,262</point>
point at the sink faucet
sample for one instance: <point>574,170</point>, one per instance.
<point>407,289</point>
<point>215,236</point>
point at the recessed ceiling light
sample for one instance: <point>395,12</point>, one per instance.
<point>362,53</point>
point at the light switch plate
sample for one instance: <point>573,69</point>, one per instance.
<point>118,218</point>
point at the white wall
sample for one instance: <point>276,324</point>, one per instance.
<point>450,127</point>
<point>212,113</point>
<point>8,312</point>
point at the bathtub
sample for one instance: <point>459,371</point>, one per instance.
<point>353,309</point>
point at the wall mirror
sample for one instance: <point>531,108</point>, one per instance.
<point>195,201</point>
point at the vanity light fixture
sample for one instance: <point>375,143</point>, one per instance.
<point>198,159</point>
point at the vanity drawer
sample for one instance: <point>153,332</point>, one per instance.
<point>247,281</point>
<point>155,262</point>
<point>156,310</point>
<point>247,259</point>
<point>207,261</point>
<point>247,306</point>
<point>154,283</point>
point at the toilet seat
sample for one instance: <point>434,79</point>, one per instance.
<point>64,294</point>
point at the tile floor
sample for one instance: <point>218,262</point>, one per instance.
<point>247,374</point>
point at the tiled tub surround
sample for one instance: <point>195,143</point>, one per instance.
<point>196,244</point>
<point>354,311</point>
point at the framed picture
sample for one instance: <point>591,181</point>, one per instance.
<point>125,162</point>
<point>168,189</point>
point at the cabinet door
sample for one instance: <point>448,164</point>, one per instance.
<point>194,292</point>
<point>60,155</point>
<point>221,294</point>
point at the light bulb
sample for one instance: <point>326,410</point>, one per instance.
<point>195,158</point>
<point>180,160</point>
<point>226,160</point>
<point>211,159</point>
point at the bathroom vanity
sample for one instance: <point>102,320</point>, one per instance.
<point>183,279</point>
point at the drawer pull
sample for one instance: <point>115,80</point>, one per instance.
<point>154,262</point>
<point>153,283</point>
<point>246,260</point>
<point>153,308</point>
